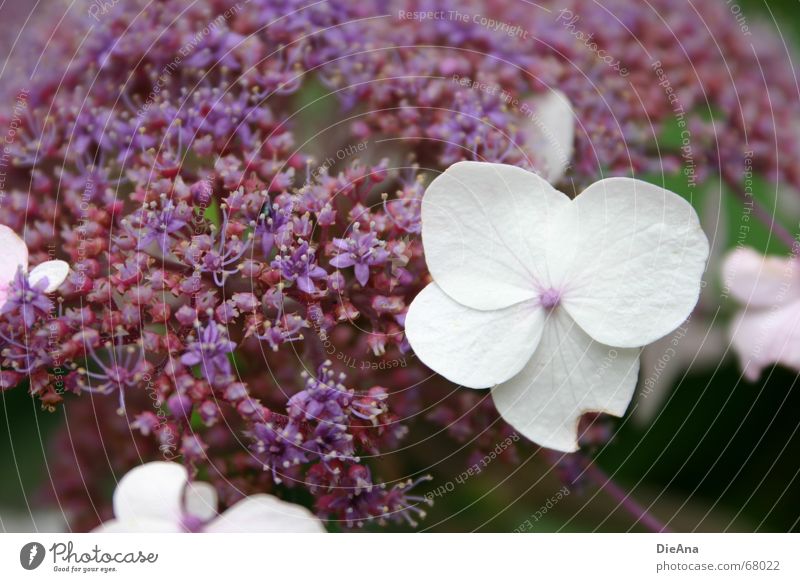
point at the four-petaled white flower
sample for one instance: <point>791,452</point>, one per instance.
<point>15,257</point>
<point>158,497</point>
<point>547,300</point>
<point>767,330</point>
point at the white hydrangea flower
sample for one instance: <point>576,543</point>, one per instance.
<point>547,300</point>
<point>15,255</point>
<point>158,497</point>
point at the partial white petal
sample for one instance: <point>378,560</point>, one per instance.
<point>139,526</point>
<point>476,349</point>
<point>629,257</point>
<point>201,500</point>
<point>484,231</point>
<point>55,272</point>
<point>552,132</point>
<point>569,374</point>
<point>760,281</point>
<point>266,514</point>
<point>153,491</point>
<point>14,254</point>
<point>763,337</point>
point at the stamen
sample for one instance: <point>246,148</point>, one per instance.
<point>550,298</point>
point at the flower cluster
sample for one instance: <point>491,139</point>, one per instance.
<point>690,70</point>
<point>326,426</point>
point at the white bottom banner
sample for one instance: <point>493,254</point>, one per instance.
<point>389,557</point>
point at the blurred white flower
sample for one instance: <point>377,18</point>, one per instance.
<point>551,132</point>
<point>15,256</point>
<point>547,300</point>
<point>158,497</point>
<point>767,330</point>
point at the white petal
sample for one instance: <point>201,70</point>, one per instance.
<point>139,526</point>
<point>483,230</point>
<point>14,254</point>
<point>201,500</point>
<point>756,280</point>
<point>629,257</point>
<point>266,514</point>
<point>54,271</point>
<point>763,337</point>
<point>477,349</point>
<point>153,491</point>
<point>552,132</point>
<point>568,375</point>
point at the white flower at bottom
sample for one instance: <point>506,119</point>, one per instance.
<point>158,497</point>
<point>15,257</point>
<point>547,300</point>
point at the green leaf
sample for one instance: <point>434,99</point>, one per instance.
<point>212,213</point>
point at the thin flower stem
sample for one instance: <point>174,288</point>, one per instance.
<point>776,228</point>
<point>596,474</point>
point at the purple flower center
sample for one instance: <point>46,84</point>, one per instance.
<point>550,298</point>
<point>192,524</point>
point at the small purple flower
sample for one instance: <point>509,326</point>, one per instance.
<point>25,353</point>
<point>146,423</point>
<point>154,224</point>
<point>330,408</point>
<point>358,500</point>
<point>215,253</point>
<point>276,226</point>
<point>25,300</point>
<point>405,210</point>
<point>193,448</point>
<point>361,250</point>
<point>331,441</point>
<point>122,367</point>
<point>325,398</point>
<point>300,267</point>
<point>210,349</point>
<point>286,328</point>
<point>245,302</point>
<point>280,448</point>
